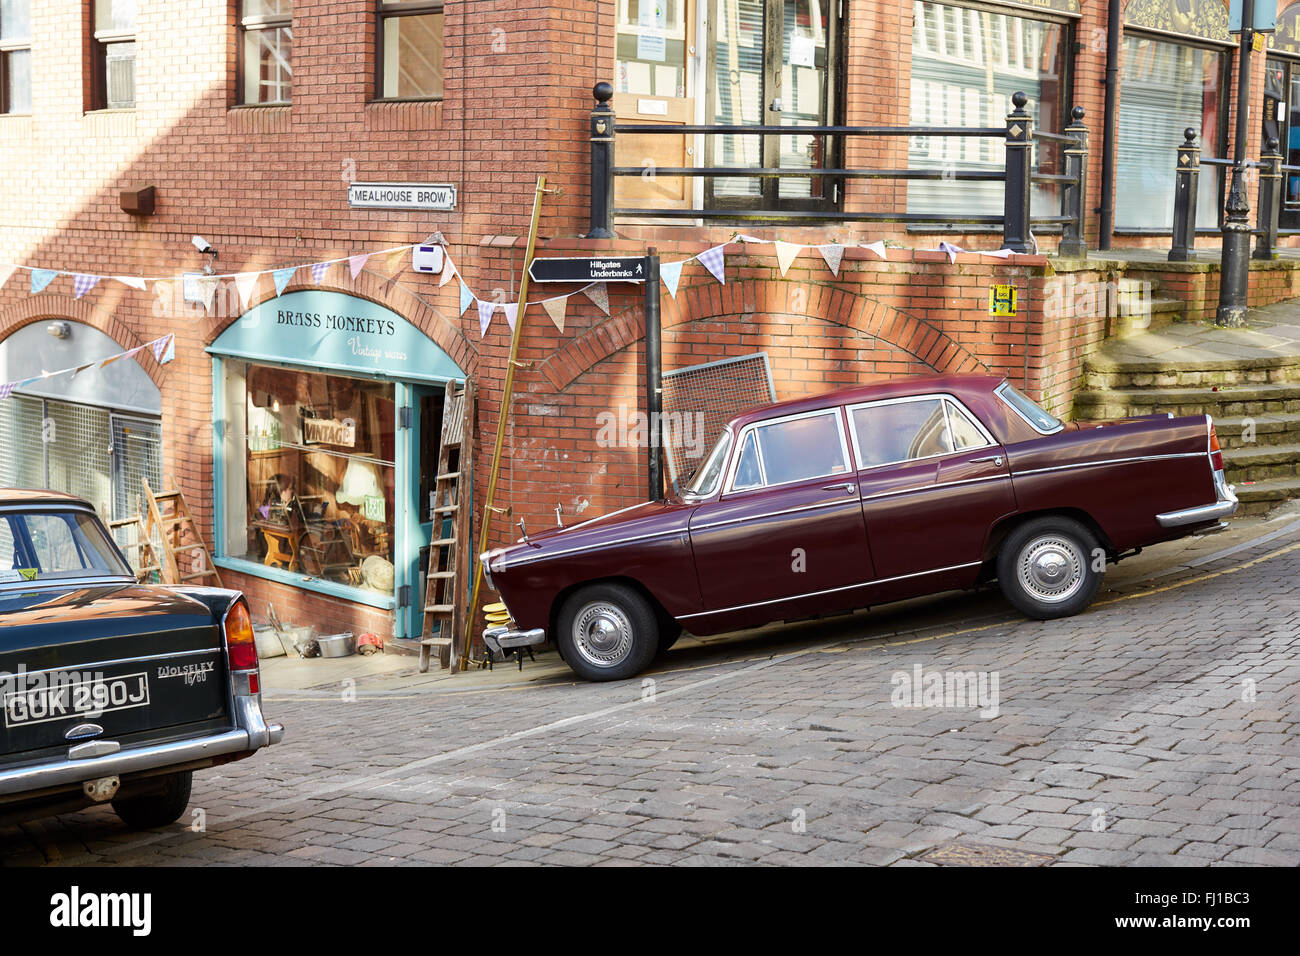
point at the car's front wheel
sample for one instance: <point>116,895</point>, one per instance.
<point>1048,567</point>
<point>150,810</point>
<point>607,632</point>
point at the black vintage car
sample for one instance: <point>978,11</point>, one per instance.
<point>112,690</point>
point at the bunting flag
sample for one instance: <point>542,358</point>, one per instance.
<point>671,274</point>
<point>357,263</point>
<point>1000,253</point>
<point>282,277</point>
<point>207,286</point>
<point>557,307</point>
<point>318,270</point>
<point>6,390</point>
<point>878,248</point>
<point>741,237</point>
<point>246,282</point>
<point>164,349</point>
<point>396,260</point>
<point>511,309</point>
<point>41,278</point>
<point>466,297</point>
<point>833,254</point>
<point>948,249</point>
<point>448,270</point>
<point>715,261</point>
<point>599,294</point>
<point>5,273</point>
<point>485,310</point>
<point>132,281</point>
<point>785,254</point>
<point>82,283</point>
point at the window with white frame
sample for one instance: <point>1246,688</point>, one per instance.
<point>15,56</point>
<point>265,52</point>
<point>113,50</point>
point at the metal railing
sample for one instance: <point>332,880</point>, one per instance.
<point>1017,175</point>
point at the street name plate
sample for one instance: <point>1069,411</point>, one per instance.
<point>612,269</point>
<point>402,195</point>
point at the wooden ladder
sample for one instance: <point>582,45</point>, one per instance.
<point>179,535</point>
<point>140,552</point>
<point>444,583</point>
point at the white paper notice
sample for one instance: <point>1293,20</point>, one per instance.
<point>803,51</point>
<point>651,47</point>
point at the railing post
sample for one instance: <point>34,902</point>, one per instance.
<point>1015,205</point>
<point>1074,243</point>
<point>1270,184</point>
<point>1187,175</point>
<point>602,164</point>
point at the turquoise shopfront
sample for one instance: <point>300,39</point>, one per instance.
<point>327,414</point>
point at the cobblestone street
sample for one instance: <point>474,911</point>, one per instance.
<point>1156,728</point>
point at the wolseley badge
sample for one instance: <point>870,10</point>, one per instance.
<point>600,126</point>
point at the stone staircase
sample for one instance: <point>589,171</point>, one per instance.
<point>1247,379</point>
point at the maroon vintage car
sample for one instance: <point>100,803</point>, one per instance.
<point>856,498</point>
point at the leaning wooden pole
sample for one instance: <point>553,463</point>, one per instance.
<point>506,394</point>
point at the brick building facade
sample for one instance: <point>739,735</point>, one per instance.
<point>266,184</point>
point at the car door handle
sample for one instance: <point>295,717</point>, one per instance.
<point>996,459</point>
<point>848,486</point>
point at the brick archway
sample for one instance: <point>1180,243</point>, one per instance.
<point>46,306</point>
<point>866,318</point>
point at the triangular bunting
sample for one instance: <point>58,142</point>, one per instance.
<point>715,261</point>
<point>785,253</point>
<point>82,283</point>
<point>948,249</point>
<point>246,282</point>
<point>833,254</point>
<point>318,270</point>
<point>5,391</point>
<point>511,309</point>
<point>207,286</point>
<point>485,310</point>
<point>357,263</point>
<point>5,273</point>
<point>741,237</point>
<point>282,277</point>
<point>557,307</point>
<point>671,273</point>
<point>448,270</point>
<point>41,278</point>
<point>132,281</point>
<point>396,260</point>
<point>599,294</point>
<point>164,349</point>
<point>466,297</point>
<point>878,247</point>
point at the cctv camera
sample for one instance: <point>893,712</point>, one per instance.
<point>201,244</point>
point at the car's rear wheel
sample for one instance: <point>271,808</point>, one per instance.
<point>150,810</point>
<point>1046,567</point>
<point>607,632</point>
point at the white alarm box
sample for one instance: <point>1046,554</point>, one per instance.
<point>426,258</point>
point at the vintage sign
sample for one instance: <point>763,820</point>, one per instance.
<point>1056,6</point>
<point>1196,18</point>
<point>1002,300</point>
<point>402,196</point>
<point>328,431</point>
<point>609,269</point>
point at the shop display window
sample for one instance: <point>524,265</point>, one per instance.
<point>316,492</point>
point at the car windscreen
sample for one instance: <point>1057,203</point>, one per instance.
<point>50,545</point>
<point>1028,408</point>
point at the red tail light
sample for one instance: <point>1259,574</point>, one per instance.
<point>240,647</point>
<point>1216,456</point>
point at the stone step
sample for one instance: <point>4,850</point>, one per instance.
<point>1261,462</point>
<point>1103,372</point>
<point>1246,400</point>
<point>1262,496</point>
<point>1138,315</point>
<point>1247,431</point>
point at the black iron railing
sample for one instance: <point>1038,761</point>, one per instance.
<point>1017,175</point>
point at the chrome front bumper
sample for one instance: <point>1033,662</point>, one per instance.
<point>1224,507</point>
<point>252,734</point>
<point>502,640</point>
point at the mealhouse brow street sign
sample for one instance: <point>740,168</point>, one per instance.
<point>402,196</point>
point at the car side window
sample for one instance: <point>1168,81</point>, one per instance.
<point>965,433</point>
<point>748,471</point>
<point>802,448</point>
<point>900,431</point>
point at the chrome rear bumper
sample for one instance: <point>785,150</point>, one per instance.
<point>1225,507</point>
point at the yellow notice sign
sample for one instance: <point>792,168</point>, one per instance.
<point>1002,300</point>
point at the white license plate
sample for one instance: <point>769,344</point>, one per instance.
<point>84,698</point>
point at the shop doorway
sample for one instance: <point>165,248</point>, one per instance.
<point>426,404</point>
<point>1282,121</point>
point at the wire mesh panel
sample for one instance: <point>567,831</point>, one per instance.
<point>77,439</point>
<point>699,400</point>
<point>22,454</point>
<point>137,454</point>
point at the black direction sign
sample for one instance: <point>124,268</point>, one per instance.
<point>609,269</point>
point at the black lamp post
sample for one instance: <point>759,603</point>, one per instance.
<point>1234,268</point>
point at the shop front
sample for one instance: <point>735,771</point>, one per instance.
<point>327,415</point>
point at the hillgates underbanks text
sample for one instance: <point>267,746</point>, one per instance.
<point>337,323</point>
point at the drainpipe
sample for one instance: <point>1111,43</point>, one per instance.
<point>1113,45</point>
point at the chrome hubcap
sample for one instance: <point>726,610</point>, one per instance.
<point>1051,568</point>
<point>602,634</point>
